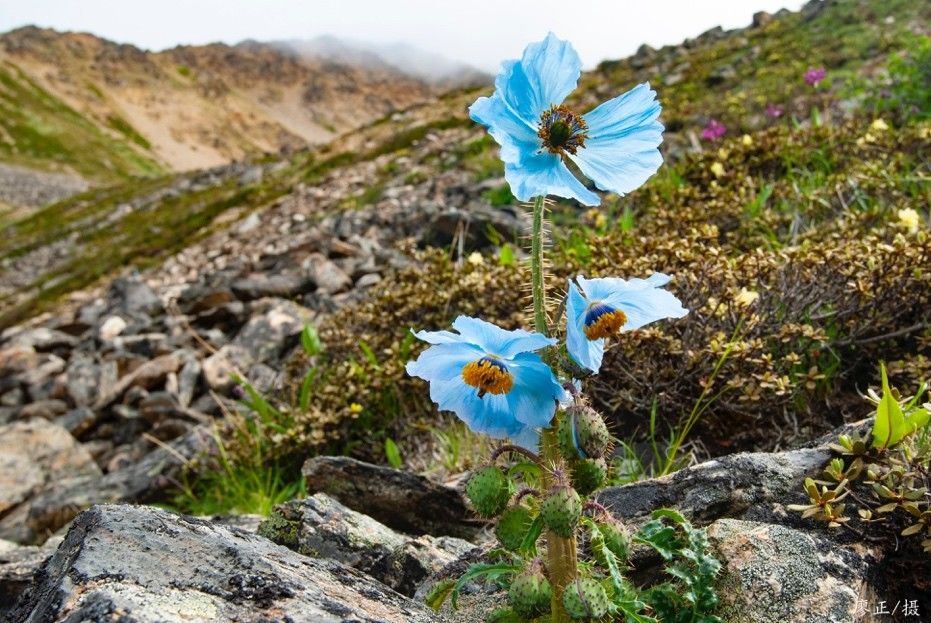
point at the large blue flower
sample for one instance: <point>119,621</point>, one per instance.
<point>615,144</point>
<point>600,308</point>
<point>490,378</point>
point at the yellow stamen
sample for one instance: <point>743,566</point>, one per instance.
<point>488,375</point>
<point>605,324</point>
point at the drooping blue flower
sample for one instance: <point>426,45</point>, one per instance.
<point>600,308</point>
<point>615,144</point>
<point>490,378</point>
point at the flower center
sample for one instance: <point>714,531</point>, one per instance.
<point>603,320</point>
<point>489,375</point>
<point>561,130</point>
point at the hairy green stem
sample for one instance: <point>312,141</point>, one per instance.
<point>562,555</point>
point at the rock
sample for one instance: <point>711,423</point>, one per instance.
<point>150,374</point>
<point>748,485</point>
<point>775,574</point>
<point>144,564</point>
<point>43,339</point>
<point>476,223</point>
<point>187,380</point>
<point>328,277</point>
<point>263,285</point>
<point>78,421</point>
<point>321,527</point>
<point>219,368</point>
<point>368,280</point>
<point>18,565</point>
<point>401,500</point>
<point>760,19</point>
<point>56,505</point>
<point>45,409</point>
<point>82,380</point>
<point>134,297</point>
<point>267,334</point>
<point>200,298</point>
<point>33,456</point>
<point>111,327</point>
<point>16,358</point>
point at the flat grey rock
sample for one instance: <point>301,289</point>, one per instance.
<point>139,565</point>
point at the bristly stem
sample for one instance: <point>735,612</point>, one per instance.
<point>536,267</point>
<point>562,556</point>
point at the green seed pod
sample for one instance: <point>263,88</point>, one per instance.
<point>588,475</point>
<point>513,526</point>
<point>530,592</point>
<point>585,599</point>
<point>591,432</point>
<point>561,510</point>
<point>489,491</point>
<point>565,437</point>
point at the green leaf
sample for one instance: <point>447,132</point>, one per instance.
<point>529,544</point>
<point>393,454</point>
<point>439,593</point>
<point>491,572</point>
<point>306,386</point>
<point>369,354</point>
<point>670,514</point>
<point>310,341</point>
<point>506,256</point>
<point>890,426</point>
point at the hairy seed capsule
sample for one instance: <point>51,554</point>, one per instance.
<point>592,434</point>
<point>489,491</point>
<point>530,593</point>
<point>561,510</point>
<point>588,475</point>
<point>585,599</point>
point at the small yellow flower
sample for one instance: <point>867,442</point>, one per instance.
<point>747,140</point>
<point>879,125</point>
<point>723,153</point>
<point>746,298</point>
<point>909,218</point>
<point>475,259</point>
<point>355,407</point>
<point>718,169</point>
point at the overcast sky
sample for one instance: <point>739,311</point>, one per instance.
<point>481,32</point>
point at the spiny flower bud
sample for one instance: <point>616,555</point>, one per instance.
<point>588,475</point>
<point>489,491</point>
<point>530,592</point>
<point>513,526</point>
<point>561,510</point>
<point>585,599</point>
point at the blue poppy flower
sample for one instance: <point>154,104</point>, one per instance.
<point>600,308</point>
<point>615,144</point>
<point>490,378</point>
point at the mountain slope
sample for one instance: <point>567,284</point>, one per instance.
<point>108,111</point>
<point>55,251</point>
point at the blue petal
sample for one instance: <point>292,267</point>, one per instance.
<point>532,399</point>
<point>548,71</point>
<point>541,174</point>
<point>528,438</point>
<point>621,153</point>
<point>642,300</point>
<point>489,415</point>
<point>497,341</point>
<point>602,288</point>
<point>443,362</point>
<point>587,353</point>
<point>513,134</point>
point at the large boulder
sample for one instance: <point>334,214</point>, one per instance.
<point>321,527</point>
<point>140,564</point>
<point>401,500</point>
